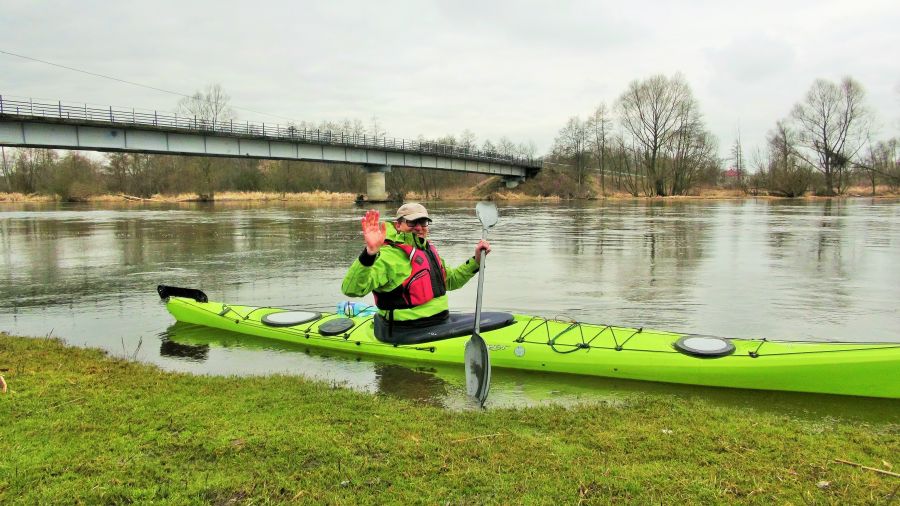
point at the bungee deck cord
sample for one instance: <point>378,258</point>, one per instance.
<point>536,331</point>
<point>584,344</point>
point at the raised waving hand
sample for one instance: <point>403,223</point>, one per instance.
<point>373,231</point>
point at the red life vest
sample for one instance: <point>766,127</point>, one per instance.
<point>426,281</point>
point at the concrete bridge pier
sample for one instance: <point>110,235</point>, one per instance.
<point>375,189</point>
<point>513,181</point>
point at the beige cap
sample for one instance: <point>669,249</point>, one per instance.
<point>412,211</point>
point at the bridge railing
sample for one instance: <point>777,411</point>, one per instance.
<point>118,116</point>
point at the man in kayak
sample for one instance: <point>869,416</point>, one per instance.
<point>402,268</point>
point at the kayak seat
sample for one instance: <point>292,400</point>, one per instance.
<point>456,325</point>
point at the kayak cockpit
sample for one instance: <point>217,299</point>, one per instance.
<point>456,325</point>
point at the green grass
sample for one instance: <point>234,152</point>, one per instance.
<point>77,426</point>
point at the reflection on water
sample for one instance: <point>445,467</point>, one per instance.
<point>444,385</point>
<point>195,352</point>
<point>783,270</point>
<point>410,382</point>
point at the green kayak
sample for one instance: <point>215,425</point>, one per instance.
<point>541,344</point>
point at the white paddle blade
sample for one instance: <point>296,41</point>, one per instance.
<point>487,214</point>
<point>478,369</point>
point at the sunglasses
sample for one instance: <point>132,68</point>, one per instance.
<point>423,222</point>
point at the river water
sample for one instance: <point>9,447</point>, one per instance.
<point>798,270</point>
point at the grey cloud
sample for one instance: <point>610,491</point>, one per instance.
<point>500,68</point>
<point>751,58</point>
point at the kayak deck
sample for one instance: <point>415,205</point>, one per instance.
<point>535,343</point>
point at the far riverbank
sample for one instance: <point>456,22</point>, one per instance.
<point>456,194</point>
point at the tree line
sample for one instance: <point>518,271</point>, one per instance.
<point>652,141</point>
<point>72,176</point>
<point>826,144</point>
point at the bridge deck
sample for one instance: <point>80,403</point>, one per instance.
<point>42,124</point>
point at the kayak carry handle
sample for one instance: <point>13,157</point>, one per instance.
<point>166,291</point>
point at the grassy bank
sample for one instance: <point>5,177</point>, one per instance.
<point>78,426</point>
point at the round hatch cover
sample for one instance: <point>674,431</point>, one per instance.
<point>335,327</point>
<point>705,346</point>
<point>289,318</point>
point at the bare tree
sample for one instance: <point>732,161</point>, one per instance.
<point>210,109</point>
<point>33,169</point>
<point>7,170</point>
<point>526,149</point>
<point>833,124</point>
<point>599,126</point>
<point>882,161</point>
<point>690,151</point>
<point>467,140</point>
<point>788,175</point>
<point>652,112</point>
<point>506,147</point>
<point>889,165</point>
<point>117,169</point>
<point>737,157</point>
<point>356,128</point>
<point>628,174</point>
<point>572,144</point>
<point>869,162</point>
<point>401,181</point>
<point>376,130</point>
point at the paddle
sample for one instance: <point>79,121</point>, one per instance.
<point>478,363</point>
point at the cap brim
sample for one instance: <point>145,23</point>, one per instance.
<point>414,217</point>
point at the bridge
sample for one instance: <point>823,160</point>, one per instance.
<point>58,125</point>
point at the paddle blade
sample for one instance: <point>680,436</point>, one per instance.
<point>487,214</point>
<point>478,369</point>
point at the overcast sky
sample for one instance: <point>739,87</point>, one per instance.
<point>514,69</point>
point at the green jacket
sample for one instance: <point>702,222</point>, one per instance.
<point>391,267</point>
